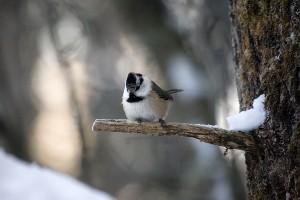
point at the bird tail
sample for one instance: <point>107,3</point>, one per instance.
<point>174,91</point>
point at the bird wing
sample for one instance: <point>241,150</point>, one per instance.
<point>174,91</point>
<point>161,93</point>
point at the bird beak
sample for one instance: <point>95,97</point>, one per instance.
<point>131,88</point>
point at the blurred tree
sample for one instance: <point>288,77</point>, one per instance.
<point>18,50</point>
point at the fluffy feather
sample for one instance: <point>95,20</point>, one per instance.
<point>144,100</point>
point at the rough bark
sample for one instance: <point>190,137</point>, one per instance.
<point>212,135</point>
<point>267,57</point>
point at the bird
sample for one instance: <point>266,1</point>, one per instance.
<point>144,101</point>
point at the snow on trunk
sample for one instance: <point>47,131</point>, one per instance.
<point>250,119</point>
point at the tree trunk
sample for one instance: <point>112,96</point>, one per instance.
<point>267,56</point>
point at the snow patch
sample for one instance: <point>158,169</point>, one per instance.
<point>279,54</point>
<point>292,36</point>
<point>21,180</point>
<point>209,126</point>
<point>250,119</point>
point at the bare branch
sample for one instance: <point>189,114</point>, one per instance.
<point>212,135</point>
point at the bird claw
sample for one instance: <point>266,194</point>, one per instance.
<point>162,122</point>
<point>139,120</point>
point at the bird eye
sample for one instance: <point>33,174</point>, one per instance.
<point>141,80</point>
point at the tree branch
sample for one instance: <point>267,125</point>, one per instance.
<point>208,134</point>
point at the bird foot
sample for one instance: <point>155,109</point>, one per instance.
<point>139,120</point>
<point>162,122</point>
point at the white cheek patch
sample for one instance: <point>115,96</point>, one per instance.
<point>145,87</point>
<point>125,95</point>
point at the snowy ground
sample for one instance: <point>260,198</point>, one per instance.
<point>21,180</point>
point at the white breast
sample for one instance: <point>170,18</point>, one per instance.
<point>137,110</point>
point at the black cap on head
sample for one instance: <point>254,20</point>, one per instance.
<point>131,79</point>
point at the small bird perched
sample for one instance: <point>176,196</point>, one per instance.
<point>144,100</point>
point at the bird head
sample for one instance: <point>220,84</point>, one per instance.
<point>134,82</point>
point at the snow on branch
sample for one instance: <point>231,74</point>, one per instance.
<point>250,119</point>
<point>204,133</point>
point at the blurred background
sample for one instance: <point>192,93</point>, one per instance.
<point>63,64</point>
